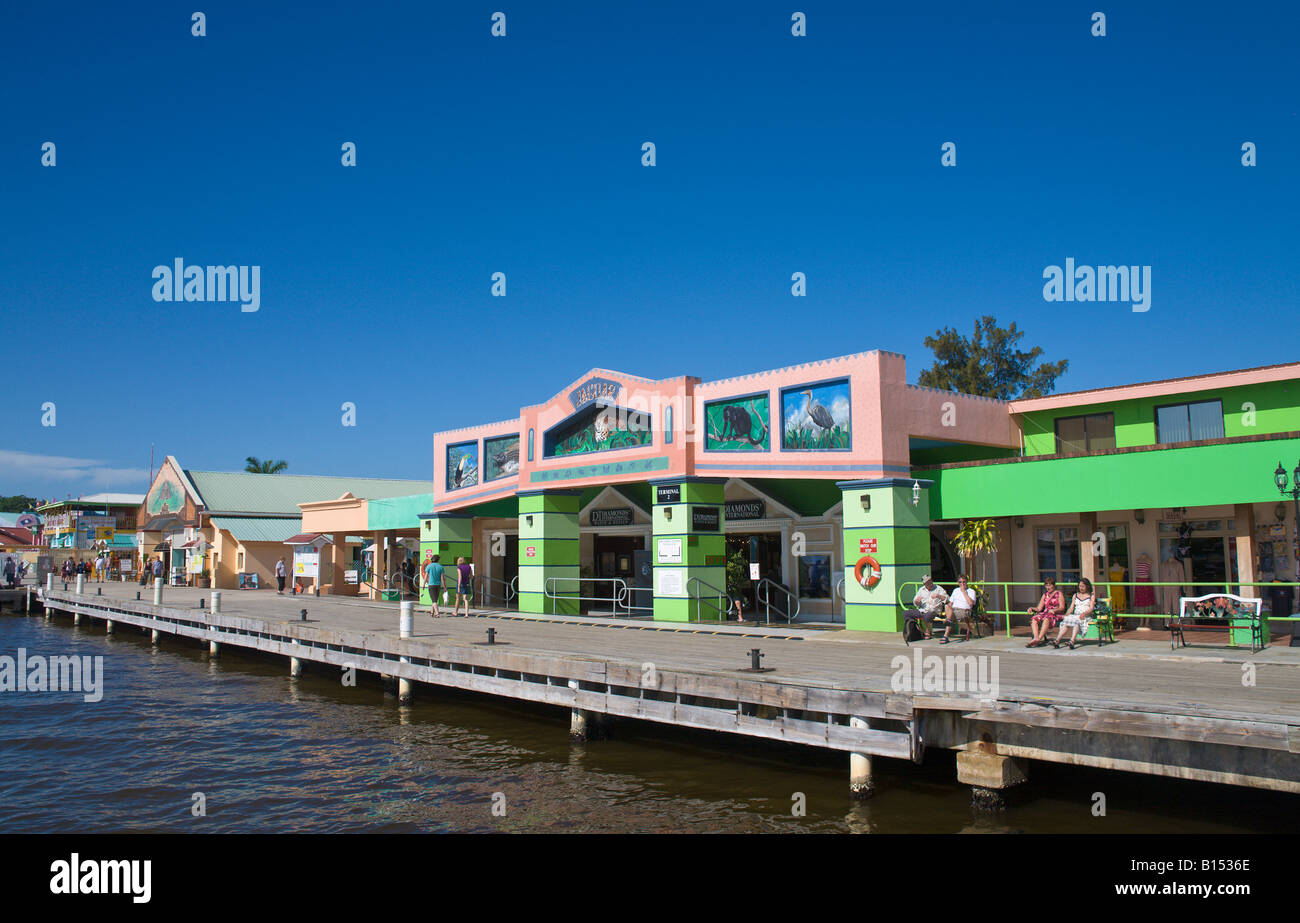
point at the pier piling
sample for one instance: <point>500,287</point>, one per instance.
<point>81,584</point>
<point>295,666</point>
<point>406,620</point>
<point>156,636</point>
<point>216,601</point>
<point>108,626</point>
<point>989,775</point>
<point>861,784</point>
<point>577,720</point>
<point>157,591</point>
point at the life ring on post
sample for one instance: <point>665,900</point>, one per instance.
<point>868,582</point>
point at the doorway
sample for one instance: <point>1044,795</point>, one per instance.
<point>763,549</point>
<point>615,556</point>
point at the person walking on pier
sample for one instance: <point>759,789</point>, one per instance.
<point>433,581</point>
<point>279,576</point>
<point>158,567</point>
<point>464,585</point>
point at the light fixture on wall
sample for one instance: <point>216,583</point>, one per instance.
<point>1140,516</point>
<point>529,520</point>
<point>668,513</point>
<point>866,502</point>
<point>916,492</point>
<point>1020,522</point>
<point>1279,512</point>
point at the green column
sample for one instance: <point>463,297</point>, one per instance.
<point>548,551</point>
<point>688,549</point>
<point>881,521</point>
<point>448,535</point>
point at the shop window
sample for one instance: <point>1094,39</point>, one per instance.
<point>1080,435</point>
<point>239,561</point>
<point>815,576</point>
<point>1188,422</point>
<point>1058,556</point>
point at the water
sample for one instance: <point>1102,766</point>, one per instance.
<point>271,754</point>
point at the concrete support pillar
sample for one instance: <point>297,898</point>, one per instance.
<point>1090,563</point>
<point>49,582</point>
<point>861,784</point>
<point>377,563</point>
<point>405,690</point>
<point>449,536</point>
<point>157,591</point>
<point>989,775</point>
<point>108,626</point>
<point>295,666</point>
<point>689,549</point>
<point>1243,514</point>
<point>214,649</point>
<point>577,719</point>
<point>406,619</point>
<point>155,636</point>
<point>882,523</point>
<point>76,618</point>
<point>81,584</point>
<point>216,601</point>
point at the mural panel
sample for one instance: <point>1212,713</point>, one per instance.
<point>167,495</point>
<point>462,465</point>
<point>738,424</point>
<point>816,417</point>
<point>599,429</point>
<point>500,457</point>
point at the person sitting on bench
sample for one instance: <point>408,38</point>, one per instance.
<point>1077,617</point>
<point>1047,614</point>
<point>960,608</point>
<point>930,602</point>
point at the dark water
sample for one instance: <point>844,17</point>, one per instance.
<point>274,754</point>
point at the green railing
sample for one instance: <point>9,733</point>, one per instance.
<point>999,592</point>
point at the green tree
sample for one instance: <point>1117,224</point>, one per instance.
<point>270,466</point>
<point>18,504</point>
<point>988,364</point>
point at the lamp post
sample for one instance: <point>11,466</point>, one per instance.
<point>1279,478</point>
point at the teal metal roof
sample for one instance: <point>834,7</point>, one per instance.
<point>241,492</point>
<point>260,528</point>
<point>398,512</point>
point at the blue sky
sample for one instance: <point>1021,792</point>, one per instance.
<point>522,155</point>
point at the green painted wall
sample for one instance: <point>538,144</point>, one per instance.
<point>548,551</point>
<point>901,533</point>
<point>703,554</point>
<point>449,537</point>
<point>1193,476</point>
<point>1276,410</point>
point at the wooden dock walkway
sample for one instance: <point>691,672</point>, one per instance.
<point>1208,714</point>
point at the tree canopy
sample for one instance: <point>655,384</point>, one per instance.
<point>988,364</point>
<point>18,504</point>
<point>270,466</point>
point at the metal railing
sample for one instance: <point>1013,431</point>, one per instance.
<point>766,600</point>
<point>721,594</point>
<point>1000,592</point>
<point>838,590</point>
<point>626,598</point>
<point>483,586</point>
<point>617,596</point>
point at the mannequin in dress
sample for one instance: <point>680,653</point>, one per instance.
<point>1144,597</point>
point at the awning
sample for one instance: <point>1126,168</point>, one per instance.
<point>307,538</point>
<point>162,546</point>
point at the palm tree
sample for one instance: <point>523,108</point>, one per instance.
<point>270,466</point>
<point>978,537</point>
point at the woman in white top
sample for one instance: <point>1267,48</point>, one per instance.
<point>960,607</point>
<point>1077,616</point>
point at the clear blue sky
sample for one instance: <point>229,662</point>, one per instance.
<point>775,154</point>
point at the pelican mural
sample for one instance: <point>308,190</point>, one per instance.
<point>816,417</point>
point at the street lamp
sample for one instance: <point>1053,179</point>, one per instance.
<point>1279,478</point>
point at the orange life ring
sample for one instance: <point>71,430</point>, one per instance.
<point>869,582</point>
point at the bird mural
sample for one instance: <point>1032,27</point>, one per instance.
<point>466,473</point>
<point>820,416</point>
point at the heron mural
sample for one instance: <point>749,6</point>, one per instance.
<point>816,416</point>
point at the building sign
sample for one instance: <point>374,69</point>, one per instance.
<point>671,493</point>
<point>306,563</point>
<point>670,551</point>
<point>194,564</point>
<point>595,389</point>
<point>530,551</point>
<point>867,545</point>
<point>754,570</point>
<point>351,576</point>
<point>669,581</point>
<point>604,470</point>
<point>616,517</point>
<point>746,509</point>
<point>704,519</point>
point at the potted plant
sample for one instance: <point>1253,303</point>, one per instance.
<point>204,580</point>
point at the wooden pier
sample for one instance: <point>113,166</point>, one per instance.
<point>1129,706</point>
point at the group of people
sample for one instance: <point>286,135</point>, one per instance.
<point>99,569</point>
<point>433,577</point>
<point>15,568</point>
<point>1053,612</point>
<point>933,604</point>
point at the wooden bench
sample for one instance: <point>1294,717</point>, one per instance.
<point>1240,612</point>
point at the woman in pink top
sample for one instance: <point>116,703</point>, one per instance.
<point>1046,614</point>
